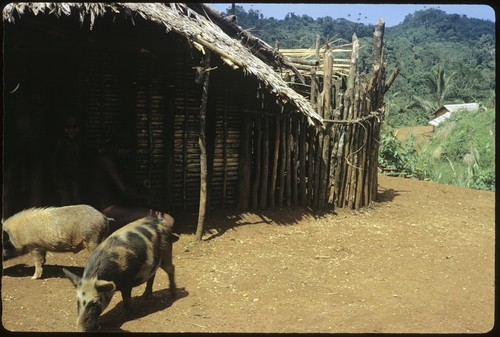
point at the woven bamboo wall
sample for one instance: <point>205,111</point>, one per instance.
<point>152,108</point>
<point>186,172</point>
<point>226,140</point>
<point>101,97</point>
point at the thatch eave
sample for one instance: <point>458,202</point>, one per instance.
<point>179,18</point>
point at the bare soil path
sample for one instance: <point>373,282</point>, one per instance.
<point>421,260</point>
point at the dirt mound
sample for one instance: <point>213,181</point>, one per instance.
<point>420,260</point>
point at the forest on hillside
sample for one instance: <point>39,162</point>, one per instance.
<point>444,58</point>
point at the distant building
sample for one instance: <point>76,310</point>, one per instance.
<point>445,111</point>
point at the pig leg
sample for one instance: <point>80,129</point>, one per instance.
<point>91,245</point>
<point>126,295</point>
<point>169,268</point>
<point>39,259</point>
<point>149,287</point>
<point>78,248</point>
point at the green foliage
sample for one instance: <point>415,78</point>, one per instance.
<point>395,157</point>
<point>299,31</point>
<point>462,151</point>
<point>444,58</point>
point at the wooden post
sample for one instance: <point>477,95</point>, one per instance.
<point>326,97</point>
<point>377,63</point>
<point>332,183</point>
<point>258,155</point>
<point>302,159</point>
<point>353,67</point>
<point>327,84</point>
<point>245,167</point>
<point>317,168</point>
<point>185,143</point>
<point>203,150</point>
<point>378,40</point>
<point>323,167</point>
<point>310,166</point>
<point>313,74</point>
<point>272,190</point>
<point>265,164</point>
<point>283,160</point>
<point>288,162</point>
<point>294,131</point>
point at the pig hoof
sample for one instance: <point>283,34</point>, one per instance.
<point>36,276</point>
<point>147,295</point>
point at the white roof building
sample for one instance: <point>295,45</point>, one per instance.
<point>444,112</point>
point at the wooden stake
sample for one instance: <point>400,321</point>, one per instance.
<point>257,160</point>
<point>185,143</point>
<point>288,174</point>
<point>310,167</point>
<point>272,190</point>
<point>283,161</point>
<point>294,133</point>
<point>265,164</point>
<point>302,159</point>
<point>203,150</point>
<point>245,166</point>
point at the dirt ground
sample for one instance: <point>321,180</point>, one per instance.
<point>422,134</point>
<point>420,260</point>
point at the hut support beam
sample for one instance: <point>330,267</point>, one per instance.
<point>203,150</point>
<point>245,166</point>
<point>275,162</point>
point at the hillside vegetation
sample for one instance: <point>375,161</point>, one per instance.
<point>460,152</point>
<point>444,59</point>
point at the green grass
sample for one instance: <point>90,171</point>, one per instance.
<point>461,152</point>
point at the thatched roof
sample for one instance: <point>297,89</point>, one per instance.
<point>203,33</point>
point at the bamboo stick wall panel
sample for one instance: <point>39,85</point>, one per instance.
<point>186,168</point>
<point>151,108</point>
<point>102,101</point>
<point>225,166</point>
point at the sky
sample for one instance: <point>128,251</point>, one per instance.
<point>392,14</point>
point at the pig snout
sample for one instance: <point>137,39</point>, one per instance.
<point>9,251</point>
<point>93,296</point>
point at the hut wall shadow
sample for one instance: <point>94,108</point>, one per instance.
<point>220,221</point>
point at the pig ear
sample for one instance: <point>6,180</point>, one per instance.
<point>75,279</point>
<point>105,286</point>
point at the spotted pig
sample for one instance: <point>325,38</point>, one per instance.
<point>129,257</point>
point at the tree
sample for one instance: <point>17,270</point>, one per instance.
<point>439,85</point>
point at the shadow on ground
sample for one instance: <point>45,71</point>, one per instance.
<point>219,221</point>
<point>387,195</point>
<point>49,271</point>
<point>113,319</point>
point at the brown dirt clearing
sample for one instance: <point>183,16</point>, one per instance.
<point>421,260</point>
<point>422,135</point>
